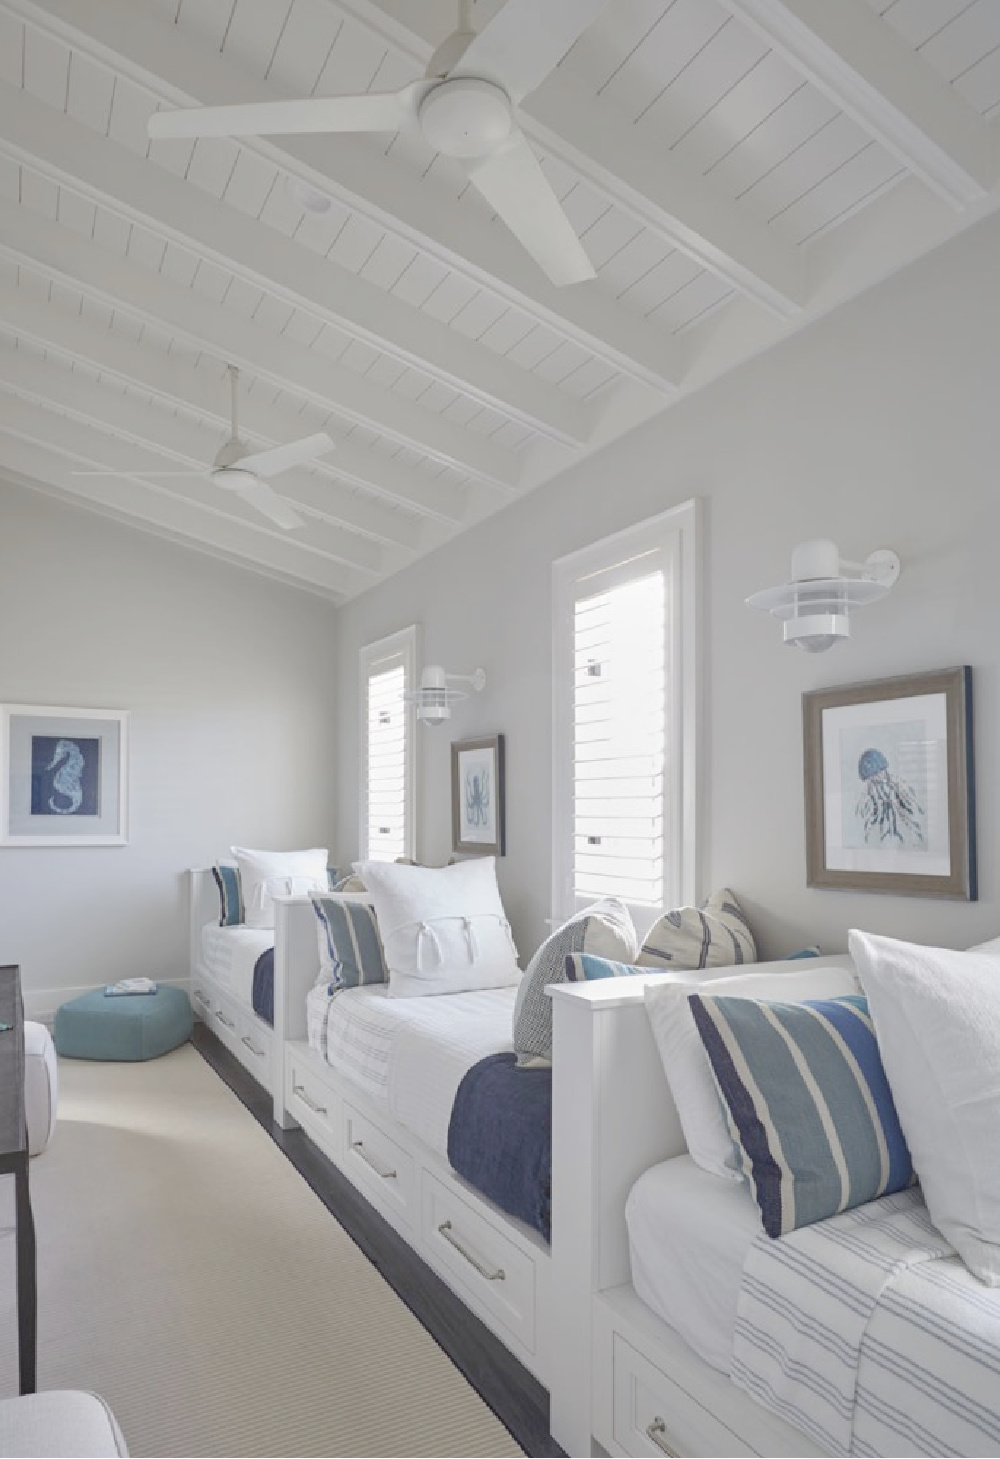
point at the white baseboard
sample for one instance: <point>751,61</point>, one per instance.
<point>40,1004</point>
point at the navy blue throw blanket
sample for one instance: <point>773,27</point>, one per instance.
<point>500,1137</point>
<point>262,996</point>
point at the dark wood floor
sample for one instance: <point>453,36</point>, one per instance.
<point>518,1399</point>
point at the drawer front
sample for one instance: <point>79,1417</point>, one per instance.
<point>655,1416</point>
<point>377,1164</point>
<point>202,1001</point>
<point>311,1101</point>
<point>481,1258</point>
<point>255,1045</point>
<point>225,1020</point>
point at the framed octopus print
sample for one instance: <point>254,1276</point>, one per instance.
<point>477,796</point>
<point>889,786</point>
<point>64,777</point>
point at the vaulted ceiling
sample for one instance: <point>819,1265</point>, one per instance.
<point>733,168</point>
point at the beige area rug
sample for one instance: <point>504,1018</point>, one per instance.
<point>188,1274</point>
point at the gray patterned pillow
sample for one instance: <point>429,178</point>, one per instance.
<point>710,936</point>
<point>605,929</point>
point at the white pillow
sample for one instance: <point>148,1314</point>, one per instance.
<point>685,1061</point>
<point>444,929</point>
<point>268,874</point>
<point>937,1020</point>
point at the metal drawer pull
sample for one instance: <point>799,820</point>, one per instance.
<point>253,1047</point>
<point>202,999</point>
<point>653,1432</point>
<point>223,1019</point>
<point>317,1109</point>
<point>385,1174</point>
<point>498,1276</point>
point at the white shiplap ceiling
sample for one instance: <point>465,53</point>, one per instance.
<point>734,168</point>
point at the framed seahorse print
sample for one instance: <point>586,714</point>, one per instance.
<point>890,786</point>
<point>64,776</point>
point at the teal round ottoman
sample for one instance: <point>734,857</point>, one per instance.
<point>138,1026</point>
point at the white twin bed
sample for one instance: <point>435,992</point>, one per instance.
<point>631,1315</point>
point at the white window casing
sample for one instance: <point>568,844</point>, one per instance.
<point>625,719</point>
<point>387,820</point>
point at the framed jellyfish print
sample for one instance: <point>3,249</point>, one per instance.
<point>64,777</point>
<point>477,796</point>
<point>889,786</point>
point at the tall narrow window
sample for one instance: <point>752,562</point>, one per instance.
<point>624,770</point>
<point>387,790</point>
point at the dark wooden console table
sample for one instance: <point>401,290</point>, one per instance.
<point>14,1161</point>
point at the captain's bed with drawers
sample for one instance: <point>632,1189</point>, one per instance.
<point>637,1285</point>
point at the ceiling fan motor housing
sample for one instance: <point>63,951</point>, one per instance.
<point>465,117</point>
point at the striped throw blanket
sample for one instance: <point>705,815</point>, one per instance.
<point>868,1333</point>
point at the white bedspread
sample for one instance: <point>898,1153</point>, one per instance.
<point>869,1334</point>
<point>230,955</point>
<point>409,1055</point>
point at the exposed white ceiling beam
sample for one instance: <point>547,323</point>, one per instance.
<point>171,64</point>
<point>45,465</point>
<point>199,321</point>
<point>858,61</point>
<point>115,354</point>
<point>590,136</point>
<point>94,444</point>
<point>111,175</point>
<point>180,443</point>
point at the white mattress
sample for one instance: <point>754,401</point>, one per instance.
<point>230,955</point>
<point>689,1234</point>
<point>409,1054</point>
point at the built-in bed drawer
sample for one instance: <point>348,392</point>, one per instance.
<point>377,1164</point>
<point>312,1102</point>
<point>654,1416</point>
<point>481,1258</point>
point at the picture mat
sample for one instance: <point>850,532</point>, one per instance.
<point>478,792</point>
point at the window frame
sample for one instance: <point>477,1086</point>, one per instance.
<point>675,536</point>
<point>374,658</point>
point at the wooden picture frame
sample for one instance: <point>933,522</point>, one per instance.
<point>478,791</point>
<point>63,776</point>
<point>890,786</point>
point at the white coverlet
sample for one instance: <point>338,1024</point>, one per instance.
<point>230,954</point>
<point>409,1055</point>
<point>868,1333</point>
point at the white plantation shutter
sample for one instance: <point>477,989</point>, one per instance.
<point>387,790</point>
<point>619,742</point>
<point>387,768</point>
<point>624,782</point>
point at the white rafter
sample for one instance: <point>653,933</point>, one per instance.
<point>208,326</point>
<point>866,69</point>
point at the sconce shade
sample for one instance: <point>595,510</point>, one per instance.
<point>434,698</point>
<point>815,606</point>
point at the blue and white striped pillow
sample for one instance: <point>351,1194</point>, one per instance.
<point>808,1104</point>
<point>586,967</point>
<point>227,879</point>
<point>350,948</point>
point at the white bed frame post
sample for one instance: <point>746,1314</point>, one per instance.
<point>612,1118</point>
<point>296,966</point>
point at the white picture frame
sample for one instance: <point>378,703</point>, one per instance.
<point>63,776</point>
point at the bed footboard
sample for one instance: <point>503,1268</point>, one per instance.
<point>612,1118</point>
<point>296,966</point>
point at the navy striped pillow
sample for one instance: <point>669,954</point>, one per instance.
<point>807,1102</point>
<point>227,879</point>
<point>350,948</point>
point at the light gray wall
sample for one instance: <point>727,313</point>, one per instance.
<point>876,427</point>
<point>229,679</point>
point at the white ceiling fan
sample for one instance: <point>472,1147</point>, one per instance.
<point>238,469</point>
<point>465,108</point>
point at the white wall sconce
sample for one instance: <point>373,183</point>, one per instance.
<point>816,605</point>
<point>434,698</point>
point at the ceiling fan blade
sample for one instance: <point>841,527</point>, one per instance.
<point>377,111</point>
<point>525,41</point>
<point>513,183</point>
<point>138,472</point>
<point>267,501</point>
<point>280,458</point>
